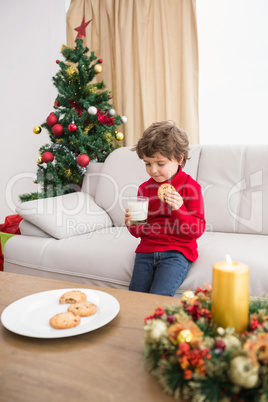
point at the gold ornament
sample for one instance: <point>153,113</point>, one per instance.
<point>37,129</point>
<point>63,48</point>
<point>187,295</point>
<point>39,159</point>
<point>71,71</point>
<point>108,137</point>
<point>185,336</point>
<point>68,172</point>
<point>92,89</point>
<point>89,127</point>
<point>119,136</point>
<point>98,68</point>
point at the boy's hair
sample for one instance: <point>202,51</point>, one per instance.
<point>167,139</point>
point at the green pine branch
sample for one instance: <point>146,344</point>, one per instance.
<point>95,134</point>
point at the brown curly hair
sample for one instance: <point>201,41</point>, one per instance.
<point>167,139</point>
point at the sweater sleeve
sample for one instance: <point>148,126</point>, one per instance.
<point>191,214</point>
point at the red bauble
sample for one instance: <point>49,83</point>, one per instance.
<point>219,346</point>
<point>47,157</point>
<point>83,160</point>
<point>56,103</point>
<point>100,61</point>
<point>72,127</point>
<point>57,61</point>
<point>57,130</point>
<point>52,119</point>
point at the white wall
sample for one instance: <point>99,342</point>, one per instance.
<point>233,71</point>
<point>31,35</point>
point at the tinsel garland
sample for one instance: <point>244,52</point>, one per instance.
<point>78,109</point>
<point>105,119</point>
<point>198,361</point>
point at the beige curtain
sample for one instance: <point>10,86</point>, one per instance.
<point>150,59</point>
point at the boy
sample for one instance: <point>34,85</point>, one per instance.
<point>175,220</point>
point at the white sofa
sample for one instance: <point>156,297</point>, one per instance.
<point>81,237</point>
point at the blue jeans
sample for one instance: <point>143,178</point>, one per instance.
<point>160,273</point>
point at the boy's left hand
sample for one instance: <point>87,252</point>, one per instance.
<point>174,199</point>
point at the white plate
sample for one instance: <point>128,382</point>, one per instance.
<point>30,315</point>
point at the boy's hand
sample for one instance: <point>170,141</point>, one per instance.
<point>127,217</point>
<point>174,200</point>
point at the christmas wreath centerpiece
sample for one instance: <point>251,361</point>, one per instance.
<point>198,361</point>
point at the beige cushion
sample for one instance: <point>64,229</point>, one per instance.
<point>65,216</point>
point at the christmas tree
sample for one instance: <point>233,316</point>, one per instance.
<point>82,128</point>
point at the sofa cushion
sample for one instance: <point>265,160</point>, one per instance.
<point>121,175</point>
<point>247,248</point>
<point>191,166</point>
<point>65,216</point>
<point>102,258</point>
<point>234,188</point>
<point>253,188</point>
<point>28,229</point>
<point>106,258</point>
<point>91,178</point>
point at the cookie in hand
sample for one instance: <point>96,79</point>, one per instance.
<point>163,190</point>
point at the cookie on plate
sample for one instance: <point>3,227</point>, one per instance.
<point>163,190</point>
<point>83,309</point>
<point>73,296</point>
<point>64,320</point>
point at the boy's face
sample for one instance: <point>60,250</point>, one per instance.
<point>160,168</point>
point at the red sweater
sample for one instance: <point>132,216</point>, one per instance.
<point>167,229</point>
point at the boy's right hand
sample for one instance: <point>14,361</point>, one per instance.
<point>127,217</point>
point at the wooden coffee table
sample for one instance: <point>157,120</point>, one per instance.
<point>103,365</point>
